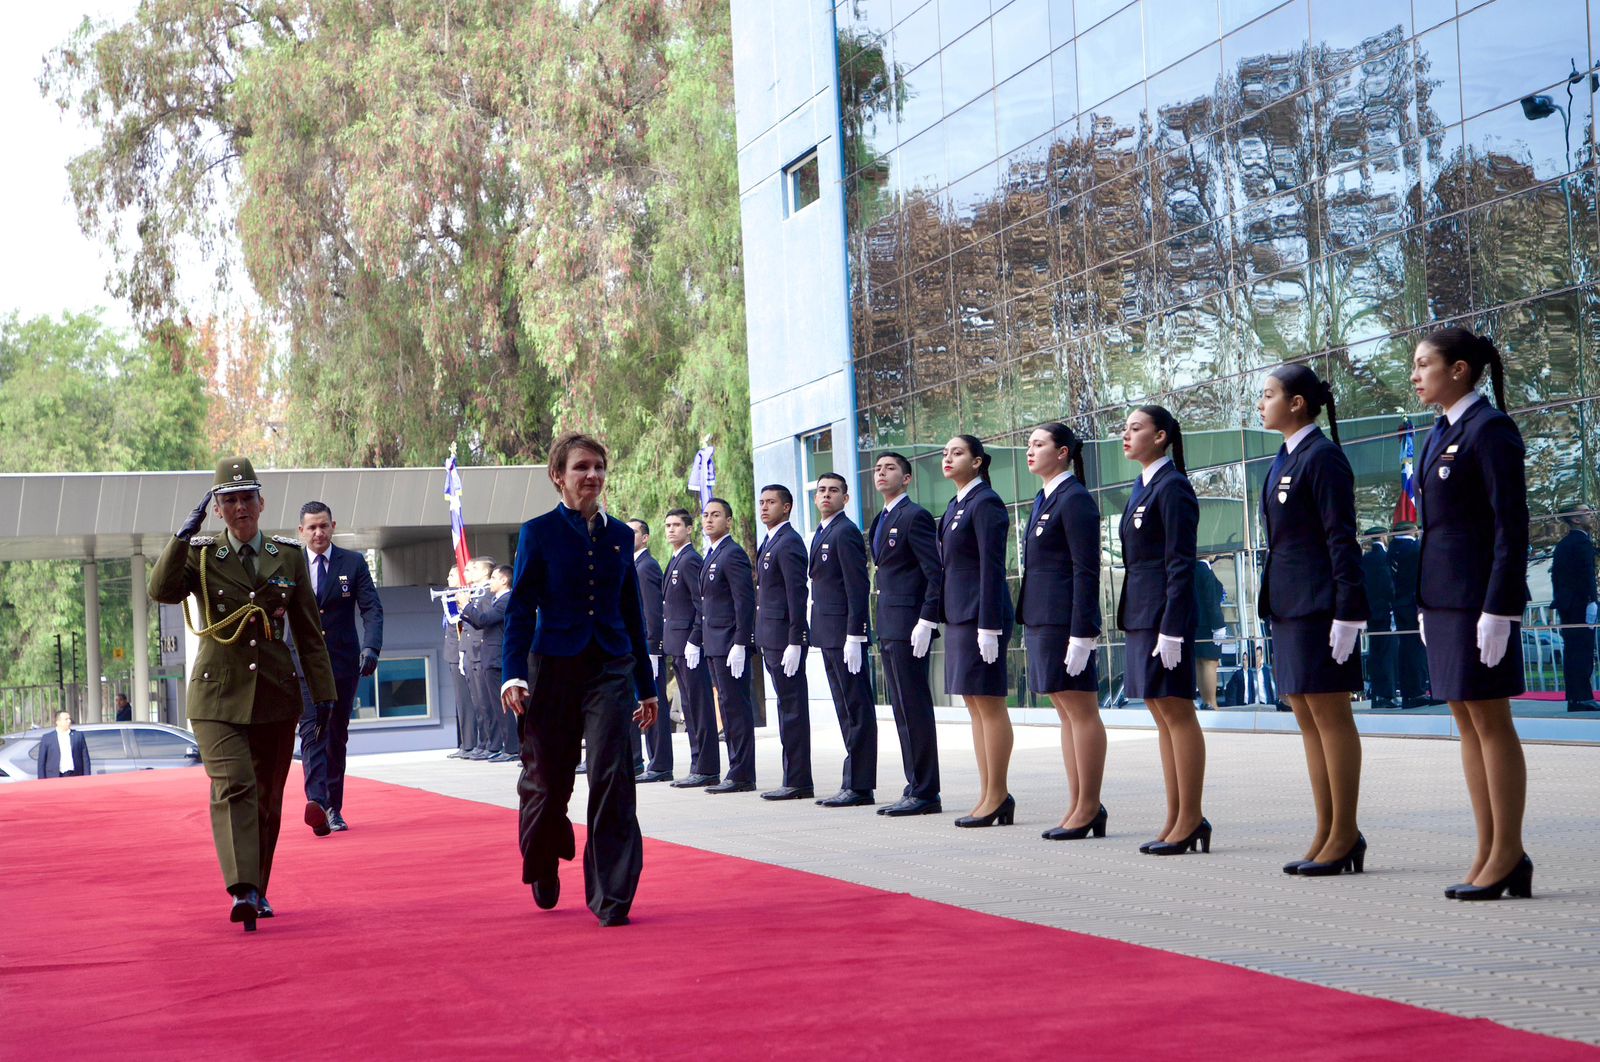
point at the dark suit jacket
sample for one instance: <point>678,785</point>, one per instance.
<point>680,602</point>
<point>1473,501</point>
<point>50,754</point>
<point>727,598</point>
<point>781,590</point>
<point>488,618</point>
<point>1309,516</point>
<point>910,577</point>
<point>1061,563</point>
<point>1207,602</point>
<point>347,587</point>
<point>972,545</point>
<point>1403,558</point>
<point>838,584</point>
<point>1158,549</point>
<point>1379,580</point>
<point>650,599</point>
<point>1572,575</point>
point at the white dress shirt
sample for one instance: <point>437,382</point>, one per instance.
<point>64,743</point>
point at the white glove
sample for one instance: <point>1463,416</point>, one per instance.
<point>1342,639</point>
<point>1220,634</point>
<point>1169,649</point>
<point>791,661</point>
<point>1493,634</point>
<point>691,655</point>
<point>1422,629</point>
<point>921,638</point>
<point>461,662</point>
<point>655,665</point>
<point>1079,651</point>
<point>989,646</point>
<point>852,656</point>
<point>1590,611</point>
<point>736,661</point>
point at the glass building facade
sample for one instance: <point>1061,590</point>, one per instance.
<point>1060,209</point>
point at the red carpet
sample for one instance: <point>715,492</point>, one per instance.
<point>410,937</point>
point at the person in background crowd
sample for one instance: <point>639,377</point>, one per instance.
<point>1572,583</point>
<point>1381,645</point>
<point>1412,658</point>
<point>486,614</point>
<point>1209,631</point>
<point>124,709</point>
<point>64,752</point>
<point>658,739</point>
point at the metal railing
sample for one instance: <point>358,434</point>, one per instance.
<point>22,707</point>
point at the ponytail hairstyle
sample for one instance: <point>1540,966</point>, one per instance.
<point>1298,379</point>
<point>974,447</point>
<point>1062,435</point>
<point>1479,352</point>
<point>1166,422</point>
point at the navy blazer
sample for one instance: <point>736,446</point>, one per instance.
<point>650,599</point>
<point>727,598</point>
<point>1403,558</point>
<point>1572,575</point>
<point>571,591</point>
<point>910,578</point>
<point>347,587</point>
<point>488,618</point>
<point>50,753</point>
<point>838,584</point>
<point>1158,551</point>
<point>972,546</point>
<point>781,590</point>
<point>1379,580</point>
<point>680,602</point>
<point>1309,519</point>
<point>1207,603</point>
<point>1472,498</point>
<point>1061,563</point>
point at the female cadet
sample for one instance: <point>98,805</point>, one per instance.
<point>1156,610</point>
<point>1059,606</point>
<point>1472,589</point>
<point>1308,514</point>
<point>977,615</point>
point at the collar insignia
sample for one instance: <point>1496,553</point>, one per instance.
<point>222,553</point>
<point>272,548</point>
<point>1452,448</point>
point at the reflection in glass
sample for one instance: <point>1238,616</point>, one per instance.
<point>1110,56</point>
<point>1021,36</point>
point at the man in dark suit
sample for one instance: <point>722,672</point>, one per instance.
<point>1412,663</point>
<point>1381,644</point>
<point>1573,591</point>
<point>905,549</point>
<point>124,709</point>
<point>681,631</point>
<point>727,622</point>
<point>781,637</point>
<point>483,725</point>
<point>341,583</point>
<point>486,614</point>
<point>64,752</point>
<point>455,662</point>
<point>658,739</point>
<point>839,629</point>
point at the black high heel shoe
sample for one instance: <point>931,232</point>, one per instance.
<point>1294,868</point>
<point>1145,848</point>
<point>244,909</point>
<point>1353,861</point>
<point>1004,815</point>
<point>1096,826</point>
<point>1199,839</point>
<point>1518,883</point>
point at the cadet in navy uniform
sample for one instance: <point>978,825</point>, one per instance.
<point>1209,631</point>
<point>727,621</point>
<point>781,637</point>
<point>1473,501</point>
<point>658,739</point>
<point>575,605</point>
<point>1412,663</point>
<point>839,630</point>
<point>905,550</point>
<point>1059,605</point>
<point>1308,518</point>
<point>978,616</point>
<point>1156,609</point>
<point>680,647</point>
<point>1573,593</point>
<point>1381,644</point>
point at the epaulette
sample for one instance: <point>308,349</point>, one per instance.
<point>285,540</point>
<point>202,540</point>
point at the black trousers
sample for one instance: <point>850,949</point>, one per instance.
<point>794,718</point>
<point>738,714</point>
<point>855,705</point>
<point>1577,658</point>
<point>1381,648</point>
<point>486,710</point>
<point>589,699</point>
<point>248,765</point>
<point>1412,664</point>
<point>323,761</point>
<point>699,717</point>
<point>503,737</point>
<point>911,697</point>
<point>658,739</point>
<point>466,709</point>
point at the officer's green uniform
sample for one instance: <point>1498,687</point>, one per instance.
<point>244,693</point>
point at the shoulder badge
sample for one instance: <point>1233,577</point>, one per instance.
<point>202,540</point>
<point>271,549</point>
<point>285,540</point>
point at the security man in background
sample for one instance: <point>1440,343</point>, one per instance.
<point>839,629</point>
<point>244,695</point>
<point>658,739</point>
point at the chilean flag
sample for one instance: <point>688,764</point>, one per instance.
<point>1405,509</point>
<point>458,527</point>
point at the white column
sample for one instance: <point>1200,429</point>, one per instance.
<point>141,640</point>
<point>91,638</point>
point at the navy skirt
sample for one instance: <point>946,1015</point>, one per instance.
<point>1145,677</point>
<point>1047,662</point>
<point>1302,661</point>
<point>1453,665</point>
<point>965,673</point>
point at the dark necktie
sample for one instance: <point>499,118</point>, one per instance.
<point>322,572</point>
<point>1138,491</point>
<point>1038,503</point>
<point>1431,446</point>
<point>878,533</point>
<point>1276,469</point>
<point>247,556</point>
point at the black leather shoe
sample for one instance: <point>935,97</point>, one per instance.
<point>546,891</point>
<point>1145,848</point>
<point>912,806</point>
<point>1353,861</point>
<point>654,776</point>
<point>1096,826</point>
<point>1518,883</point>
<point>1199,840</point>
<point>848,798</point>
<point>263,908</point>
<point>1294,867</point>
<point>245,902</point>
<point>1420,702</point>
<point>695,781</point>
<point>1583,706</point>
<point>790,792</point>
<point>336,823</point>
<point>583,768</point>
<point>613,920</point>
<point>1004,815</point>
<point>1385,705</point>
<point>1451,890</point>
<point>317,818</point>
<point>730,786</point>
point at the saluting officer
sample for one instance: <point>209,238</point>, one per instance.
<point>680,647</point>
<point>781,637</point>
<point>727,619</point>
<point>244,695</point>
<point>839,629</point>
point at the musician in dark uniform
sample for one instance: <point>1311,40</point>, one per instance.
<point>658,739</point>
<point>455,654</point>
<point>905,551</point>
<point>1314,595</point>
<point>839,630</point>
<point>1473,500</point>
<point>1381,644</point>
<point>727,622</point>
<point>781,636</point>
<point>1411,663</point>
<point>575,606</point>
<point>1572,584</point>
<point>680,647</point>
<point>486,614</point>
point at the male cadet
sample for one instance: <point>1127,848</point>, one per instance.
<point>905,549</point>
<point>1381,644</point>
<point>341,583</point>
<point>727,614</point>
<point>486,614</point>
<point>455,654</point>
<point>244,695</point>
<point>680,647</point>
<point>658,739</point>
<point>1573,593</point>
<point>839,630</point>
<point>1404,557</point>
<point>781,637</point>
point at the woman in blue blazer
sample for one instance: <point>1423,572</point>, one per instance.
<point>1472,588</point>
<point>1156,609</point>
<point>1059,605</point>
<point>1308,517</point>
<point>977,617</point>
